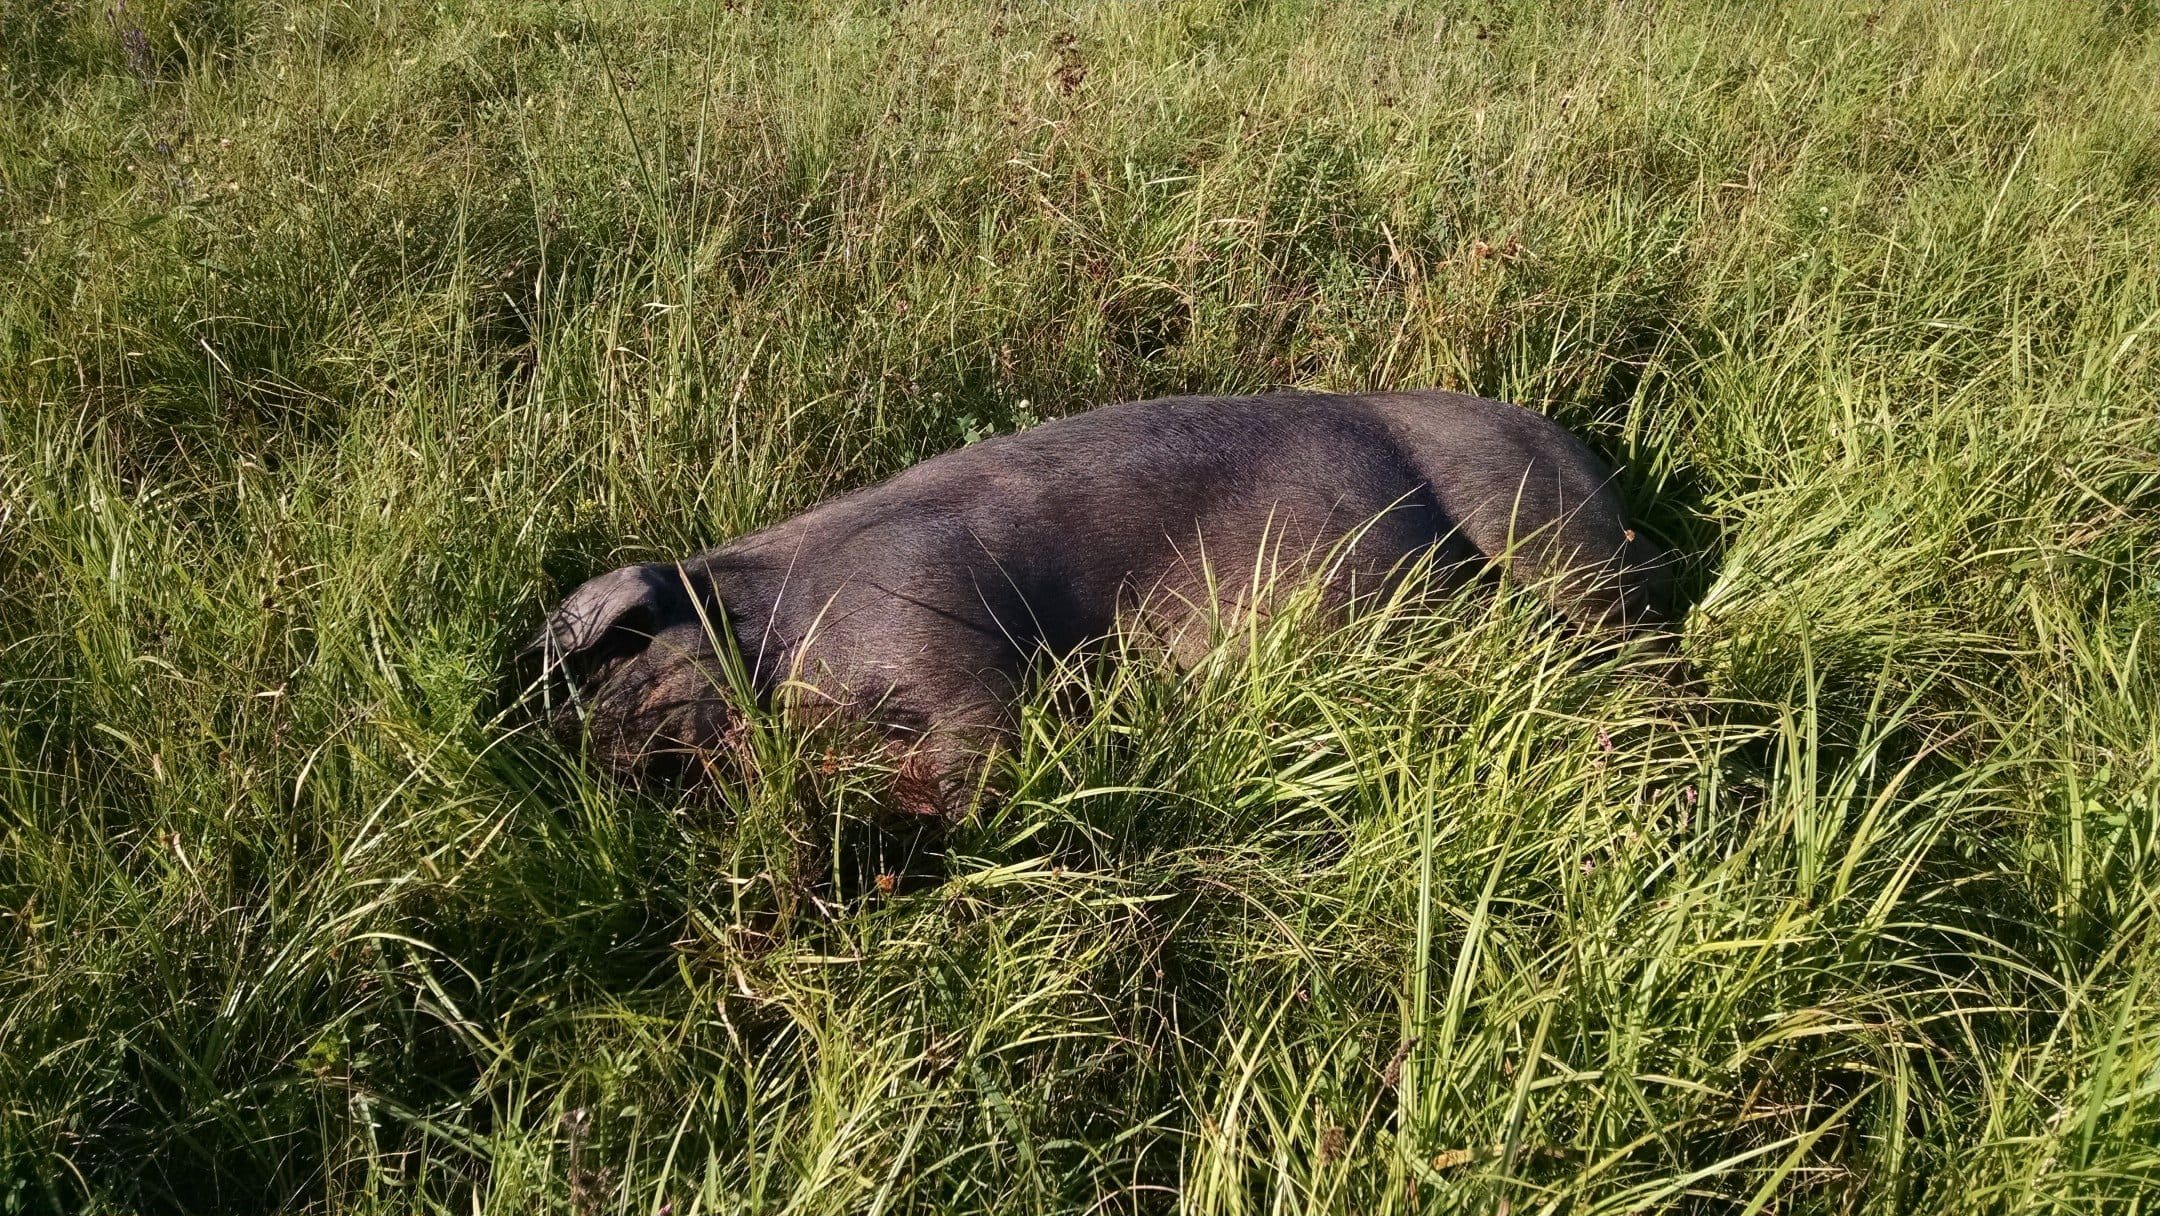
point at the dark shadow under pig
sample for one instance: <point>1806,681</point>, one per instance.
<point>916,606</point>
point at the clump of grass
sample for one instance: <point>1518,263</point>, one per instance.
<point>337,341</point>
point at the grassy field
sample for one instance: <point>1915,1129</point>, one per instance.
<point>338,338</point>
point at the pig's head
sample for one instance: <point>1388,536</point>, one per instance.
<point>633,660</point>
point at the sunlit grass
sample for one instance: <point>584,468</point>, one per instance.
<point>338,339</point>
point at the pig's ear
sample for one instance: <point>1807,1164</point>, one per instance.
<point>622,607</point>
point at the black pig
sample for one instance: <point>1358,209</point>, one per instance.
<point>915,606</point>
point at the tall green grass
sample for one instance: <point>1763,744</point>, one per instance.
<point>338,337</point>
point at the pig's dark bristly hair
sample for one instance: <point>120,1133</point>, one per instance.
<point>917,605</point>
